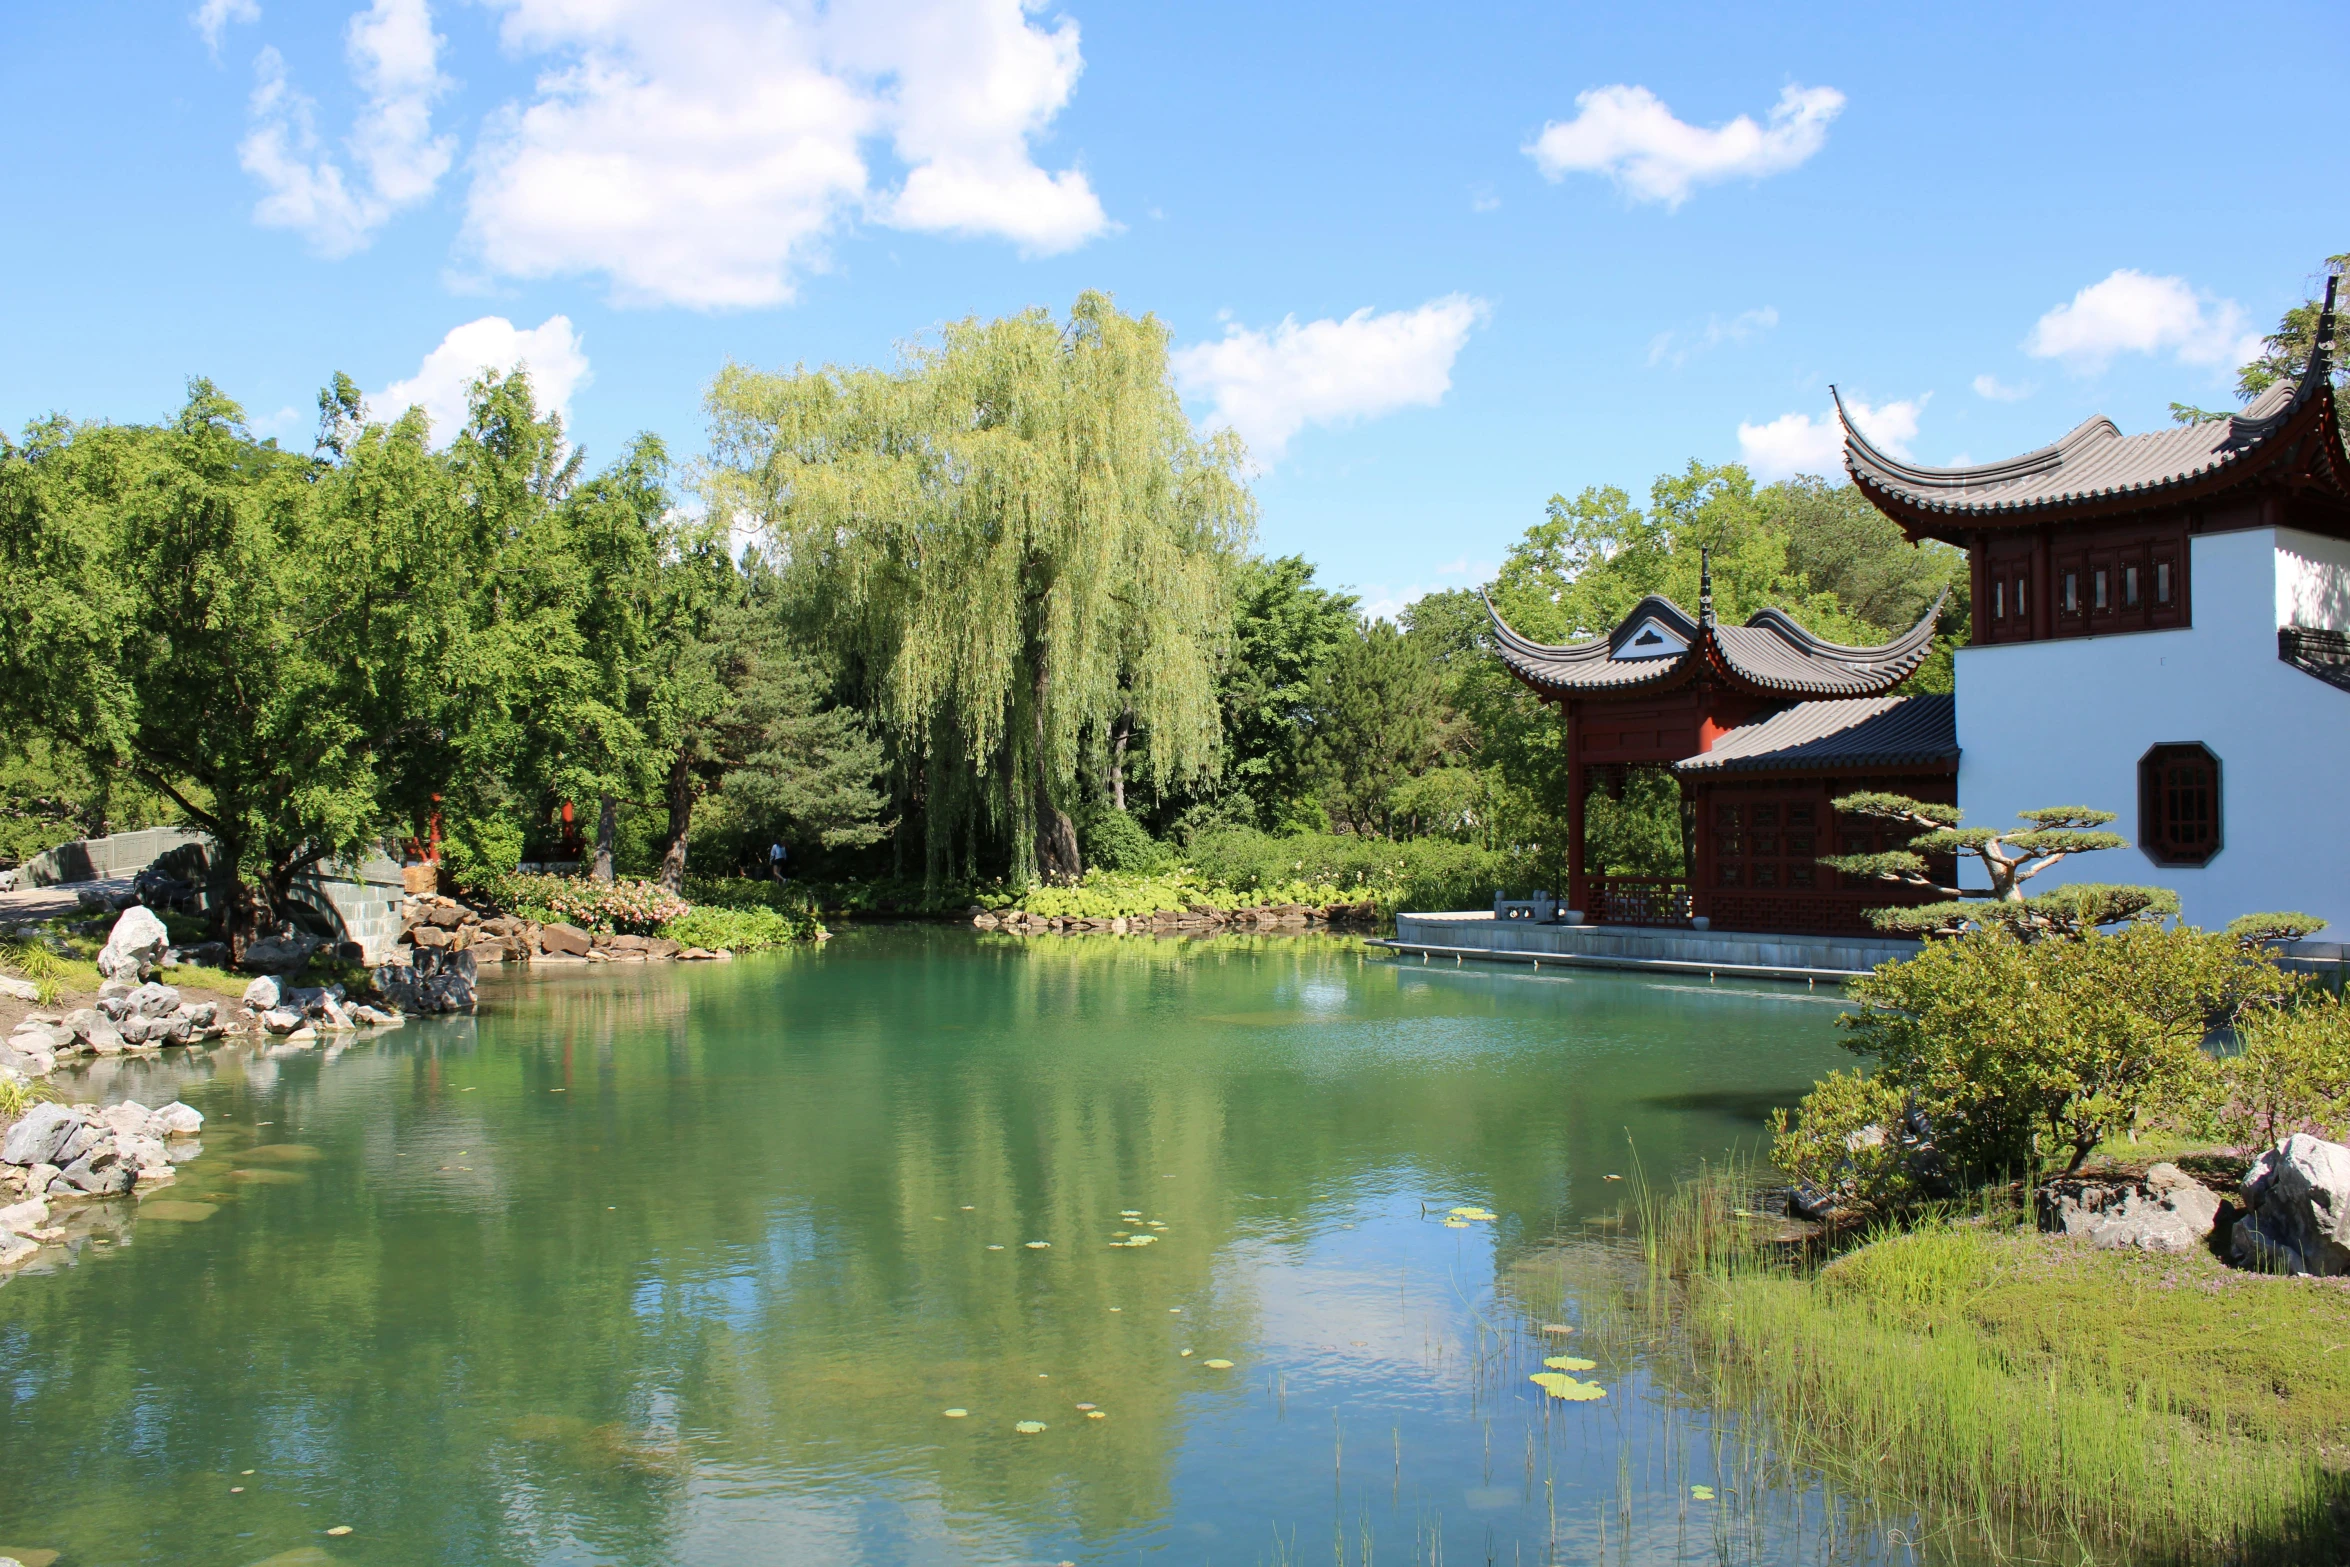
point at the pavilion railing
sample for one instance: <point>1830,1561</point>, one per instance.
<point>1639,900</point>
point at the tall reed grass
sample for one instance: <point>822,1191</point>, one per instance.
<point>2059,1444</point>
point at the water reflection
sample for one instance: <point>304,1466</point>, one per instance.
<point>687,1264</point>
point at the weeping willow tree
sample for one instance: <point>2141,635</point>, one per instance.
<point>1015,545</point>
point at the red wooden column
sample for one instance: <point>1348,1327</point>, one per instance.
<point>1577,783</point>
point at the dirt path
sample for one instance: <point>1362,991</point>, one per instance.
<point>46,903</point>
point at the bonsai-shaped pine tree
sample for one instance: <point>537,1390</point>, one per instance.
<point>2009,857</point>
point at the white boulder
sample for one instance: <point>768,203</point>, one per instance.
<point>137,945</point>
<point>2297,1209</point>
<point>262,994</point>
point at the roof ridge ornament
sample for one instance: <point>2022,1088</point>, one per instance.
<point>1705,585</point>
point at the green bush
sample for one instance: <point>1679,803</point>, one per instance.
<point>1416,873</point>
<point>2021,1052</point>
<point>741,930</point>
<point>1845,1143</point>
<point>634,907</point>
<point>2292,1075</point>
<point>746,892</point>
<point>1115,841</point>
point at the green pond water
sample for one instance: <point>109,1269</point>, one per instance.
<point>687,1264</point>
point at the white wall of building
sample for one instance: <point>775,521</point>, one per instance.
<point>2064,722</point>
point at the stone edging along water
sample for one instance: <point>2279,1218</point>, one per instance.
<point>1194,920</point>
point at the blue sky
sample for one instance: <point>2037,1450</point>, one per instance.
<point>1437,263</point>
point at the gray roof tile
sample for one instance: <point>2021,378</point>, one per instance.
<point>1770,653</point>
<point>2096,461</point>
<point>1884,731</point>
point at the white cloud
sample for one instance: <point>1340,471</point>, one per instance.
<point>1679,347</point>
<point>551,350</point>
<point>1268,385</point>
<point>394,57</point>
<point>701,153</point>
<point>2134,313</point>
<point>1998,391</point>
<point>1799,443</point>
<point>213,16</point>
<point>1629,135</point>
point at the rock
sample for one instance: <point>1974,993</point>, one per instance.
<point>262,994</point>
<point>426,937</point>
<point>41,1135</point>
<point>211,954</point>
<point>128,1119</point>
<point>99,1172</point>
<point>152,1001</point>
<point>23,1218</point>
<point>19,989</point>
<point>282,955</point>
<point>175,1120</point>
<point>625,943</point>
<point>376,1017</point>
<point>2296,1209</point>
<point>142,1152</point>
<point>104,1039</point>
<point>660,947</point>
<point>281,1020</point>
<point>2166,1210</point>
<point>204,1014</point>
<point>13,1250</point>
<point>448,916</point>
<point>137,945</point>
<point>696,955</point>
<point>305,1035</point>
<point>566,939</point>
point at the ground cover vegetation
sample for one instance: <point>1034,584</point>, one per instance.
<point>2016,1395</point>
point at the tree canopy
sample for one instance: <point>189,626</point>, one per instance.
<point>1005,543</point>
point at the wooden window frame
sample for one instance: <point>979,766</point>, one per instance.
<point>2158,834</point>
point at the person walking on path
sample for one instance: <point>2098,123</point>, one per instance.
<point>775,859</point>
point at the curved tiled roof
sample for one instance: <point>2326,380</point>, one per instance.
<point>2096,461</point>
<point>1883,731</point>
<point>1769,654</point>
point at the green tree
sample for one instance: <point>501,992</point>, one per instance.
<point>1285,632</point>
<point>1004,544</point>
<point>257,635</point>
<point>1375,726</point>
<point>2008,857</point>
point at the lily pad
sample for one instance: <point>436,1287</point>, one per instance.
<point>1475,1215</point>
<point>1559,1385</point>
<point>1095,1414</point>
<point>1141,1240</point>
<point>1028,1427</point>
<point>1701,1493</point>
<point>1219,1365</point>
<point>1456,1224</point>
<point>341,1529</point>
<point>956,1414</point>
<point>1038,1245</point>
<point>1569,1363</point>
<point>994,1247</point>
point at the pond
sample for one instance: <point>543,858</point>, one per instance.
<point>693,1264</point>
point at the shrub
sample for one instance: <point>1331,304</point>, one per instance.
<point>1115,841</point>
<point>741,930</point>
<point>1418,873</point>
<point>1844,1144</point>
<point>634,907</point>
<point>2293,1074</point>
<point>746,892</point>
<point>2016,1052</point>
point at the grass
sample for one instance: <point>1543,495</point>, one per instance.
<point>2027,1394</point>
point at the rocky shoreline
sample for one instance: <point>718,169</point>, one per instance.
<point>437,928</point>
<point>1197,919</point>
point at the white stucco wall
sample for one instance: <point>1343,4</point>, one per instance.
<point>2065,722</point>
